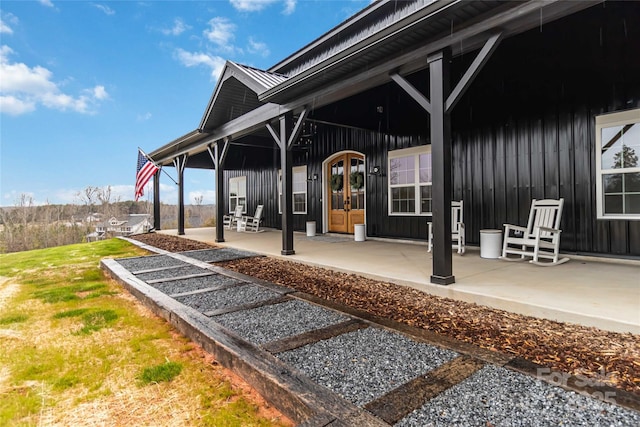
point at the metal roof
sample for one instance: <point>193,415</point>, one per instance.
<point>236,93</point>
<point>386,37</point>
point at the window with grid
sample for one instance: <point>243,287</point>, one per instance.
<point>410,178</point>
<point>299,190</point>
<point>617,166</point>
<point>238,193</point>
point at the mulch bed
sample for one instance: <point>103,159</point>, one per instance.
<point>607,357</point>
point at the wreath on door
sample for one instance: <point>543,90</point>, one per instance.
<point>336,182</point>
<point>356,179</point>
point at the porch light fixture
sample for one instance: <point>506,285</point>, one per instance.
<point>374,170</point>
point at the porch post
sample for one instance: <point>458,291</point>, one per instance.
<point>286,162</point>
<point>156,200</point>
<point>285,141</point>
<point>218,154</point>
<point>179,163</point>
<point>441,167</point>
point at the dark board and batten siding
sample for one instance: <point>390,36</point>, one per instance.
<point>497,171</point>
<point>525,129</point>
<point>262,183</point>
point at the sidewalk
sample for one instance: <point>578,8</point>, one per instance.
<point>586,291</point>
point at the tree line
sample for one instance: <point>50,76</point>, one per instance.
<point>26,226</point>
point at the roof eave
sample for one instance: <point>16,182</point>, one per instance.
<point>428,11</point>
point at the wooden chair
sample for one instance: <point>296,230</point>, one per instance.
<point>457,228</point>
<point>231,221</point>
<point>253,223</point>
<point>540,238</point>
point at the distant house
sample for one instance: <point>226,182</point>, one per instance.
<point>133,224</point>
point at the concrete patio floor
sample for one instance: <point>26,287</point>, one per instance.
<point>586,290</point>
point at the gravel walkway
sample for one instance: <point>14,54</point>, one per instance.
<point>496,396</point>
<point>192,284</point>
<point>230,297</point>
<point>367,365</point>
<point>150,262</point>
<point>274,322</point>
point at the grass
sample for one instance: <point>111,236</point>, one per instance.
<point>75,349</point>
<point>159,373</point>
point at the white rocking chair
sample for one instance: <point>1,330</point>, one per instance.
<point>457,228</point>
<point>231,221</point>
<point>540,238</point>
<point>253,223</point>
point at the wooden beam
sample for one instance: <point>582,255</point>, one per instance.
<point>480,60</point>
<point>296,128</point>
<point>412,91</point>
<point>274,134</point>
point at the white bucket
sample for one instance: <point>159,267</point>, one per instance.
<point>359,232</point>
<point>490,244</point>
<point>311,228</point>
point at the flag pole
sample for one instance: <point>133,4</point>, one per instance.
<point>159,167</point>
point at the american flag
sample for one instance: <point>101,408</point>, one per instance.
<point>146,169</point>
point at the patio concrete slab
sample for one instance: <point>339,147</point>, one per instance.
<point>590,291</point>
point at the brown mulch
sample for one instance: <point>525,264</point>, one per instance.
<point>606,357</point>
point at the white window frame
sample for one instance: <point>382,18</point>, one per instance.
<point>299,171</point>
<point>602,122</point>
<point>415,153</point>
<point>241,182</point>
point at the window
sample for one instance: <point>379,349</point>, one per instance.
<point>299,190</point>
<point>238,193</point>
<point>617,166</point>
<point>410,181</point>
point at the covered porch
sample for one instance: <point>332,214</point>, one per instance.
<point>604,293</point>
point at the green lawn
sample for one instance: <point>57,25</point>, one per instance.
<point>76,349</point>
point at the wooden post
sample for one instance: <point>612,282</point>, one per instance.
<point>218,154</point>
<point>179,163</point>
<point>156,200</point>
<point>286,163</point>
<point>441,167</point>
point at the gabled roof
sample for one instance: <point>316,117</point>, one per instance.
<point>236,93</point>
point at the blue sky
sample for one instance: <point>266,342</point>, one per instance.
<point>84,84</point>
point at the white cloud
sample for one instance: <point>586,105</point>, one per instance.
<point>258,48</point>
<point>220,33</point>
<point>6,21</point>
<point>289,7</point>
<point>144,117</point>
<point>99,92</point>
<point>178,28</point>
<point>14,106</point>
<point>193,59</point>
<point>258,5</point>
<point>106,9</point>
<point>22,88</point>
<point>47,3</point>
